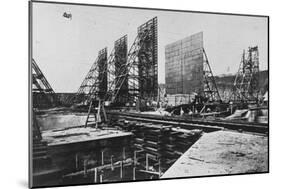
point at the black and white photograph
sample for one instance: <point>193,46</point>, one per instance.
<point>126,94</point>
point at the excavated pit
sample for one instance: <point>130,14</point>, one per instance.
<point>120,151</point>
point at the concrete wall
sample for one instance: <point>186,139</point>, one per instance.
<point>63,97</point>
<point>184,65</point>
<point>178,99</point>
<point>60,120</point>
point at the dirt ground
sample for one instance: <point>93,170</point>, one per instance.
<point>222,152</point>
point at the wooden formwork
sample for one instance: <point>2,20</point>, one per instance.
<point>157,146</point>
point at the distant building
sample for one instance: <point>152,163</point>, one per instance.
<point>184,65</point>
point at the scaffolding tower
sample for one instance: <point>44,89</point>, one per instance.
<point>131,76</point>
<point>148,59</point>
<point>94,85</point>
<point>247,78</point>
<point>210,89</point>
<point>42,92</point>
<point>140,71</point>
<point>117,69</point>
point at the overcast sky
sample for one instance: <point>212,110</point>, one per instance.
<point>65,48</point>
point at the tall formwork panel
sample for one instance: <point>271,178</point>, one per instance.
<point>94,85</point>
<point>102,73</point>
<point>120,55</point>
<point>184,65</point>
<point>148,60</point>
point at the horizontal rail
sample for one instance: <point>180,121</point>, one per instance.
<point>205,125</point>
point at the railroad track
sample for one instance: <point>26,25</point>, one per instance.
<point>205,125</point>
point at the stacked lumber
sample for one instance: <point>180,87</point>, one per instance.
<point>157,146</point>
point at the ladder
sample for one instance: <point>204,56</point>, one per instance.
<point>95,116</point>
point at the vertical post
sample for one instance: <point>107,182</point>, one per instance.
<point>98,118</point>
<point>135,164</point>
<point>159,162</point>
<point>138,104</point>
<point>121,169</point>
<point>85,167</point>
<point>146,162</point>
<point>192,111</point>
<point>104,113</point>
<point>135,158</point>
<point>158,97</point>
<point>111,160</point>
<point>102,160</point>
<point>96,175</point>
<point>134,173</point>
<point>124,153</point>
<point>76,161</point>
<point>89,112</point>
<point>101,178</point>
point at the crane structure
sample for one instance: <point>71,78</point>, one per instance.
<point>246,82</point>
<point>42,92</point>
<point>210,90</point>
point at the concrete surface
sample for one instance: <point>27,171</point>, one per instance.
<point>79,134</point>
<point>222,152</point>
